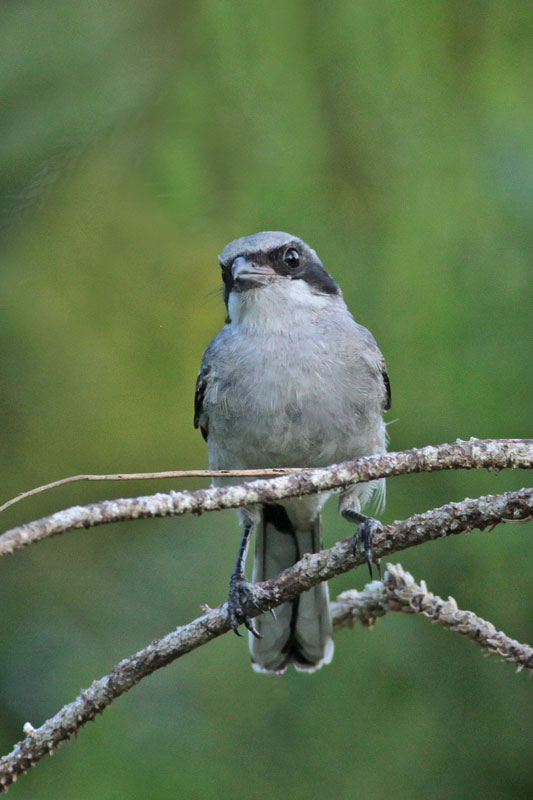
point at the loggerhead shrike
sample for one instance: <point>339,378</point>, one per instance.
<point>291,381</point>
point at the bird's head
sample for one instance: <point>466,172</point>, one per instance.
<point>273,272</point>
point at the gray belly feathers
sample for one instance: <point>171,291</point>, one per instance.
<point>292,400</point>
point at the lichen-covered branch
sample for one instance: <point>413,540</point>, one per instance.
<point>399,592</point>
<point>154,476</point>
<point>494,454</point>
<point>452,518</point>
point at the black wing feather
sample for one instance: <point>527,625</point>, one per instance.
<point>199,395</point>
<point>386,381</point>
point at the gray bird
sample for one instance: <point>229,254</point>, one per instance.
<point>291,381</point>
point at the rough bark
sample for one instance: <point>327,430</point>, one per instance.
<point>492,454</point>
<point>397,592</point>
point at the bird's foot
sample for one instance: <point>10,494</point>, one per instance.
<point>240,596</point>
<point>364,535</point>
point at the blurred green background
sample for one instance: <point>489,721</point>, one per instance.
<point>138,138</point>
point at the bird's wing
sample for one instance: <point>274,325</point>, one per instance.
<point>379,361</point>
<point>200,418</point>
<point>386,381</point>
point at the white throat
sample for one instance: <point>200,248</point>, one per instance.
<point>269,309</point>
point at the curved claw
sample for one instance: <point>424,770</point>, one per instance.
<point>249,623</point>
<point>239,596</point>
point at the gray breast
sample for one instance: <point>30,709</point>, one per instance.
<point>293,400</point>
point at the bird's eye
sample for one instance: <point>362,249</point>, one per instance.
<point>292,258</point>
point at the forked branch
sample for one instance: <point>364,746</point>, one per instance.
<point>397,592</point>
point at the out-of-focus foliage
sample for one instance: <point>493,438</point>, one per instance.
<point>137,139</point>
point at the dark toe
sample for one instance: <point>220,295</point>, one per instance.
<point>239,597</point>
<point>365,535</point>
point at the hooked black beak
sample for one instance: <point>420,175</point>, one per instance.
<point>248,275</point>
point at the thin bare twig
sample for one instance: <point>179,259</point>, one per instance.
<point>450,519</point>
<point>493,454</point>
<point>153,476</point>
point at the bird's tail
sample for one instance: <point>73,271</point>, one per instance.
<point>302,632</point>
